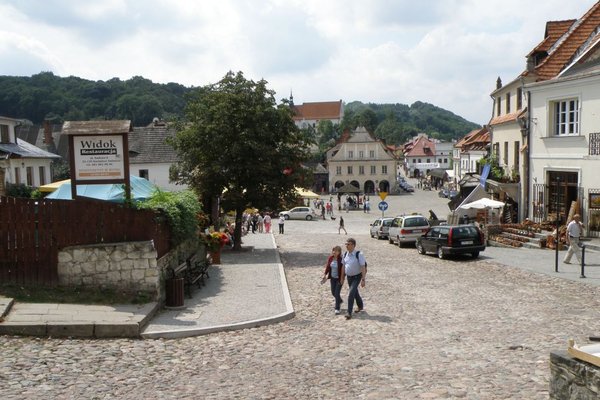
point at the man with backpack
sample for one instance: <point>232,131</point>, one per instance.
<point>355,267</point>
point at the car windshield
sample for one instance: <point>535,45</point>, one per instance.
<point>418,221</point>
<point>387,222</point>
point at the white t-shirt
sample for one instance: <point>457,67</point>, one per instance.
<point>334,269</point>
<point>574,229</point>
<point>352,263</point>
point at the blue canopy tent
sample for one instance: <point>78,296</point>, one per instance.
<point>141,189</point>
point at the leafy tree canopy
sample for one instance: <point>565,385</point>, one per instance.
<point>238,142</point>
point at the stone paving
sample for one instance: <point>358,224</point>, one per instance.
<point>432,329</point>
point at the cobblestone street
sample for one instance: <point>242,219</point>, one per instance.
<point>432,329</point>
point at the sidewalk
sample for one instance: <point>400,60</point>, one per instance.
<point>248,289</point>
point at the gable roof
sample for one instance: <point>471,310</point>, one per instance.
<point>148,144</point>
<point>503,119</point>
<point>22,149</point>
<point>419,147</point>
<point>477,139</point>
<point>562,52</point>
<point>318,110</point>
<point>554,31</point>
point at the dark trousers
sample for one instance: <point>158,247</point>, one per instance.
<point>353,282</point>
<point>281,228</point>
<point>336,288</point>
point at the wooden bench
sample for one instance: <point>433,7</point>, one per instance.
<point>194,270</point>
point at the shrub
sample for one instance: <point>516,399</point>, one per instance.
<point>180,210</point>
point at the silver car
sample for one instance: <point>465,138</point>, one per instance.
<point>299,213</point>
<point>407,228</point>
<point>380,228</point>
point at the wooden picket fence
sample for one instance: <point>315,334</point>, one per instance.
<point>33,231</point>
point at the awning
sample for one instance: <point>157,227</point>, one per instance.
<point>348,188</point>
<point>438,173</point>
<point>51,187</point>
<point>307,194</point>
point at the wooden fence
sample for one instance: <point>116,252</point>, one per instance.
<point>33,231</point>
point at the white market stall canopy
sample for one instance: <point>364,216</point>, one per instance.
<point>483,203</point>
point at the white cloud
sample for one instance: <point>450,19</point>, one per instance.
<point>445,52</point>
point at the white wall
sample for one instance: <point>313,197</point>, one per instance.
<point>158,173</point>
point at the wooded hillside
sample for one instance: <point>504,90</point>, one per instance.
<point>47,96</point>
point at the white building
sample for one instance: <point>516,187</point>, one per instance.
<point>21,162</point>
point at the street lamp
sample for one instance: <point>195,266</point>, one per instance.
<point>557,224</point>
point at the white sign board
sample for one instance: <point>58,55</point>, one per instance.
<point>99,157</point>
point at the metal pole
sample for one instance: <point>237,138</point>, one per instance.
<point>557,225</point>
<point>582,261</point>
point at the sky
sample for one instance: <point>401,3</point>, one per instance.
<point>445,52</point>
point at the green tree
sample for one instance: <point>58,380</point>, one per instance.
<point>238,143</point>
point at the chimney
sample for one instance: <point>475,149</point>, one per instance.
<point>498,83</point>
<point>48,140</point>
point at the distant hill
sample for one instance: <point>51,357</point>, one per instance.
<point>47,96</point>
<point>397,123</point>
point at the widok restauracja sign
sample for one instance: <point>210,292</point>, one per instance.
<point>99,157</point>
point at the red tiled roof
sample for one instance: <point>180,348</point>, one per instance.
<point>477,139</point>
<point>554,31</point>
<point>502,119</point>
<point>319,110</point>
<point>568,44</point>
<point>422,146</point>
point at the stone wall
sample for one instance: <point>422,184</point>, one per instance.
<point>571,378</point>
<point>131,266</point>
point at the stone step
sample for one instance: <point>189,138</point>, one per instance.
<point>6,304</point>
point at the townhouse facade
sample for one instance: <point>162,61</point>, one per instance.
<point>468,151</point>
<point>363,161</point>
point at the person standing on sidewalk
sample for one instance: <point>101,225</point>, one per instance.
<point>335,273</point>
<point>355,269</point>
<point>281,223</point>
<point>267,222</point>
<point>574,233</point>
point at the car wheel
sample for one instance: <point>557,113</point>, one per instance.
<point>475,254</point>
<point>440,253</point>
<point>308,218</point>
<point>390,240</point>
<point>286,217</point>
<point>372,236</point>
<point>420,248</point>
<point>400,244</point>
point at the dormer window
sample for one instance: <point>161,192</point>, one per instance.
<point>4,136</point>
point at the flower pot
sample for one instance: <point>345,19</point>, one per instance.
<point>216,256</point>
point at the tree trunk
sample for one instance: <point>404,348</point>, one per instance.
<point>237,233</point>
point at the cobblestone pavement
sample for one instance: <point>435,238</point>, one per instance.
<point>433,329</point>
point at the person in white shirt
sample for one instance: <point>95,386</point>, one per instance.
<point>281,223</point>
<point>355,269</point>
<point>574,233</point>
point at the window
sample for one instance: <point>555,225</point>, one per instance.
<point>505,155</point>
<point>440,160</point>
<point>361,154</point>
<point>349,169</point>
<point>373,170</point>
<point>445,161</point>
<point>350,154</point>
<point>428,160</point>
<point>414,160</point>
<point>566,117</point>
<point>17,176</point>
<point>361,169</point>
<point>338,170</point>
<point>508,103</point>
<point>4,138</point>
<point>42,172</point>
<point>372,153</point>
<point>498,106</point>
<point>519,98</point>
<point>497,150</point>
<point>29,172</point>
<point>143,173</point>
<point>384,169</point>
<point>517,146</point>
<point>419,161</point>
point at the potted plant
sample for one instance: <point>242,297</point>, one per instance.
<point>214,242</point>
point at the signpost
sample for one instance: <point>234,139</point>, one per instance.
<point>382,206</point>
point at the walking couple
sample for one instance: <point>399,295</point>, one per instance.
<point>352,266</point>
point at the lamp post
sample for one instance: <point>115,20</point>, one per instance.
<point>557,224</point>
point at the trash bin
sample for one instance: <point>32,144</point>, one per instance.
<point>174,292</point>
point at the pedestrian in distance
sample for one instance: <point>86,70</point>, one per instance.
<point>267,222</point>
<point>334,271</point>
<point>281,223</point>
<point>574,233</point>
<point>341,226</point>
<point>355,269</point>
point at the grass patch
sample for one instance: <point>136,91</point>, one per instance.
<point>74,295</point>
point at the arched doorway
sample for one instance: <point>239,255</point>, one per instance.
<point>369,187</point>
<point>416,173</point>
<point>355,183</point>
<point>338,184</point>
<point>384,186</point>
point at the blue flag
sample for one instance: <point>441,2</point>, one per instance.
<point>484,174</point>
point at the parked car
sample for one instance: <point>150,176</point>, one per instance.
<point>299,213</point>
<point>446,240</point>
<point>407,228</point>
<point>407,187</point>
<point>380,228</point>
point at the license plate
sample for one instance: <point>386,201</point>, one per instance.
<point>465,242</point>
